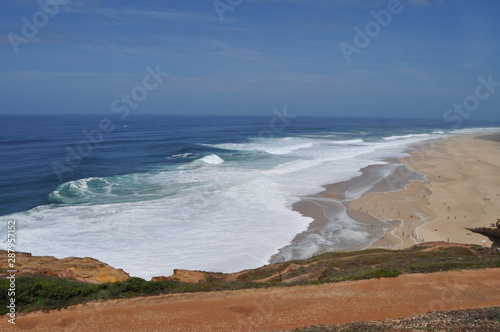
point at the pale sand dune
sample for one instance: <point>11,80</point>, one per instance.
<point>462,190</point>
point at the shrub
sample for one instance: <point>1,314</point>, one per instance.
<point>381,273</point>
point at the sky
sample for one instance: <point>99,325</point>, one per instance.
<point>388,58</point>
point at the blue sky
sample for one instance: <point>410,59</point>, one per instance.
<point>263,54</point>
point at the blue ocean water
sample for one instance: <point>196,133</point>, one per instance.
<point>152,193</point>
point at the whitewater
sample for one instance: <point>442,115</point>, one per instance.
<point>222,207</point>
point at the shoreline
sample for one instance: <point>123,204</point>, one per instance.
<point>334,219</point>
<point>440,188</point>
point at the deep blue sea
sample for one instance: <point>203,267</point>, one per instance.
<point>152,193</point>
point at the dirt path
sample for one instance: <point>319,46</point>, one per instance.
<point>278,308</point>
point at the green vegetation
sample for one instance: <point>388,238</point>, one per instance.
<point>37,292</point>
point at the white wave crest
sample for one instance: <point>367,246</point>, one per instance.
<point>405,136</point>
<point>181,155</point>
<point>212,159</point>
<point>279,146</point>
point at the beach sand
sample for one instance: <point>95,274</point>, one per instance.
<point>434,194</point>
<point>462,190</point>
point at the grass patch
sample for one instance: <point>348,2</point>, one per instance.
<point>382,273</point>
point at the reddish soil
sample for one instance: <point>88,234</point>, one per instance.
<point>278,308</point>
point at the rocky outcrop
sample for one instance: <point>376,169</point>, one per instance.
<point>85,269</point>
<point>199,276</point>
<point>493,233</point>
<point>331,266</point>
<point>490,232</point>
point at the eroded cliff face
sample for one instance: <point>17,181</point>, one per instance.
<point>85,269</point>
<point>200,276</point>
<point>327,266</point>
<point>493,233</point>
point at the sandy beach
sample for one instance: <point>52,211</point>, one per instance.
<point>434,194</point>
<point>462,191</point>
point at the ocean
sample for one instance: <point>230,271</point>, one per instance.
<point>153,193</point>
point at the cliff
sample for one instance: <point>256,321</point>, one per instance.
<point>86,269</point>
<point>493,233</point>
<point>340,265</point>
